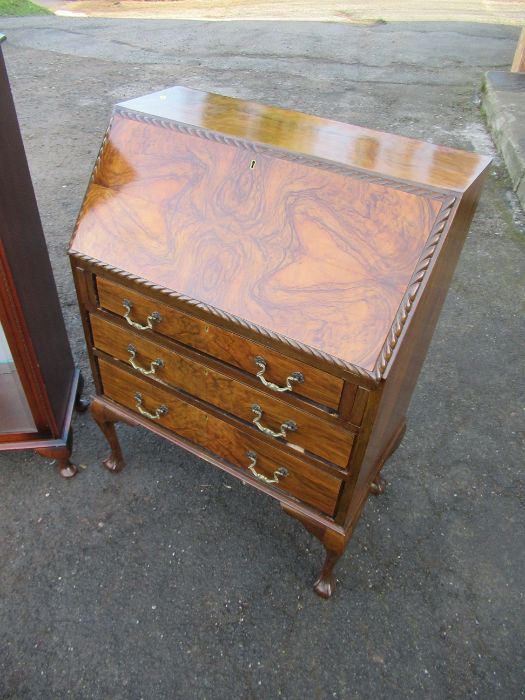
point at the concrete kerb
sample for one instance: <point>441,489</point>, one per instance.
<point>503,105</point>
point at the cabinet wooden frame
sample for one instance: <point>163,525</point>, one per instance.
<point>30,312</point>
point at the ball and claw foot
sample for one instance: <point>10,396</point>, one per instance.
<point>334,544</point>
<point>113,465</point>
<point>324,587</point>
<point>66,469</point>
<point>325,584</point>
<point>378,486</point>
<point>106,419</point>
<point>61,455</point>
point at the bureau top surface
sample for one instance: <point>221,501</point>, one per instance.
<point>358,147</point>
<point>319,254</point>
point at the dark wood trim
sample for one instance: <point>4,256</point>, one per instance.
<point>347,400</point>
<point>343,514</point>
<point>389,449</point>
<point>30,311</point>
<point>33,441</point>
<point>359,406</point>
<point>23,352</point>
<point>31,277</point>
<point>84,297</point>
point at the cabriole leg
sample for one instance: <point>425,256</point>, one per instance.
<point>106,419</point>
<point>61,454</point>
<point>334,543</point>
<point>325,584</point>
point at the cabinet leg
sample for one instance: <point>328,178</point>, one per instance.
<point>61,454</point>
<point>325,584</point>
<point>81,404</point>
<point>106,419</point>
<point>378,486</point>
<point>334,542</point>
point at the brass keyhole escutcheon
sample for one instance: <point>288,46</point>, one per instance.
<point>252,165</point>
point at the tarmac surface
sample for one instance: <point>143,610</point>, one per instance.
<point>171,580</point>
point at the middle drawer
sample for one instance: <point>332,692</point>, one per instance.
<point>273,417</point>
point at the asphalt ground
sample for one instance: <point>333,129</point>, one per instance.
<point>171,580</point>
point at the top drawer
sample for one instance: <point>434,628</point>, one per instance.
<point>229,347</point>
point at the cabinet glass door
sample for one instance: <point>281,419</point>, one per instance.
<point>15,416</point>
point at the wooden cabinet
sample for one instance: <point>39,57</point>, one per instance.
<point>261,286</point>
<point>39,384</point>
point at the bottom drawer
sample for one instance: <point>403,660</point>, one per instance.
<point>291,474</point>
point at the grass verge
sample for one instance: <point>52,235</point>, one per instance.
<point>20,8</point>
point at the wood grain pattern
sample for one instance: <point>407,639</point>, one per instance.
<point>320,437</point>
<point>313,255</point>
<point>328,246</point>
<point>344,144</point>
<point>233,349</point>
<point>411,351</point>
<point>312,486</point>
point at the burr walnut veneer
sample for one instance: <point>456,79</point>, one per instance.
<point>261,286</point>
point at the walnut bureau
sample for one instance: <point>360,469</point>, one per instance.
<point>260,287</point>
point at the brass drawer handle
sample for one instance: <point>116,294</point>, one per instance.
<point>295,377</point>
<point>153,364</point>
<point>161,410</point>
<point>154,317</point>
<point>280,473</point>
<point>289,425</point>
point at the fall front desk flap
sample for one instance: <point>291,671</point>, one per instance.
<point>309,228</point>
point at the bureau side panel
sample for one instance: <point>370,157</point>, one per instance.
<point>405,366</point>
<point>87,302</point>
